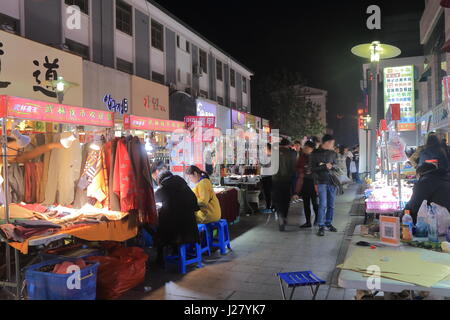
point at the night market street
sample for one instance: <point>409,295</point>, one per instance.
<point>259,252</point>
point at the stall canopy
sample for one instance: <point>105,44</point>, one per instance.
<point>15,107</point>
<point>151,124</point>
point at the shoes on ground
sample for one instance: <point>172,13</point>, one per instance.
<point>331,228</point>
<point>306,226</point>
<point>321,232</point>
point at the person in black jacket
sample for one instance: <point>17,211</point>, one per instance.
<point>283,182</point>
<point>434,152</point>
<point>177,223</point>
<point>433,186</point>
<point>322,162</point>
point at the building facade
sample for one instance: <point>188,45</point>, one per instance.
<point>138,38</point>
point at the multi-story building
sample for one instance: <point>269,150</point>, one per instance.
<point>133,39</point>
<point>434,37</point>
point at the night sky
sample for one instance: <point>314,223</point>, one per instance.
<point>311,37</point>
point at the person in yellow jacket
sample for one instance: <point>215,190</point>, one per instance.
<point>207,200</point>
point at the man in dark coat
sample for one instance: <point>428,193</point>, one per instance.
<point>433,186</point>
<point>177,223</point>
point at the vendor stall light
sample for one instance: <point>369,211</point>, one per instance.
<point>60,85</point>
<point>67,139</point>
<point>148,146</point>
<point>22,140</point>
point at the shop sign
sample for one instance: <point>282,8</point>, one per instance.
<point>150,124</point>
<point>149,99</point>
<point>238,118</point>
<point>29,73</point>
<point>51,112</point>
<point>206,109</point>
<point>113,106</point>
<point>200,122</point>
<point>399,89</point>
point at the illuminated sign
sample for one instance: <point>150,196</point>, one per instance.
<point>113,106</point>
<point>399,89</point>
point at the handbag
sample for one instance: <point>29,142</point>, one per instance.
<point>353,168</point>
<point>336,182</point>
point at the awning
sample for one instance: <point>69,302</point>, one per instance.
<point>426,74</point>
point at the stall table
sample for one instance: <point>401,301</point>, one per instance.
<point>355,280</point>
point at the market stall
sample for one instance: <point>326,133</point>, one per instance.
<point>66,176</point>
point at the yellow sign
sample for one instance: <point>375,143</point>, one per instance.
<point>149,99</point>
<point>27,69</point>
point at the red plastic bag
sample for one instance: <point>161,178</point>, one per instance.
<point>120,272</point>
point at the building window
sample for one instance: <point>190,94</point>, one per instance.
<point>178,75</point>
<point>203,61</point>
<point>188,79</point>
<point>124,66</point>
<point>158,77</point>
<point>82,4</point>
<point>220,100</point>
<point>10,24</point>
<point>78,49</point>
<point>233,105</point>
<point>178,41</point>
<point>157,35</point>
<point>219,70</point>
<point>232,78</point>
<point>244,85</point>
<point>188,47</point>
<point>124,19</point>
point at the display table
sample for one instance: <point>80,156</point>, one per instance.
<point>355,280</point>
<point>229,203</point>
<point>119,231</point>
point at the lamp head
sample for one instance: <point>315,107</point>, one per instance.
<point>67,139</point>
<point>22,140</point>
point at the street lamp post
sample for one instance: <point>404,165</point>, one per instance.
<point>61,87</point>
<point>374,51</point>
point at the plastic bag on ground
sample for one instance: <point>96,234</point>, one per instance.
<point>120,272</point>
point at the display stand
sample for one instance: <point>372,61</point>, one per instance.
<point>26,109</point>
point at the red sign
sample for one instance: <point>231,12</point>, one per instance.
<point>361,122</point>
<point>395,111</point>
<point>200,122</point>
<point>383,125</point>
<point>52,112</point>
<point>150,124</point>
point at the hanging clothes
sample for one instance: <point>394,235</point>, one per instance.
<point>16,184</point>
<point>145,198</point>
<point>110,159</point>
<point>65,167</point>
<point>81,197</point>
<point>124,178</point>
<point>46,162</point>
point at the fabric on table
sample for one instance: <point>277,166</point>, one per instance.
<point>16,212</point>
<point>36,224</point>
<point>65,170</point>
<point>7,232</point>
<point>36,207</point>
<point>118,231</point>
<point>24,233</point>
<point>124,178</point>
<point>229,204</point>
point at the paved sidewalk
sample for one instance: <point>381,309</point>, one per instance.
<point>259,252</point>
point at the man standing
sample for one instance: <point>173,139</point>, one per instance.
<point>266,179</point>
<point>322,162</point>
<point>282,182</point>
<point>356,176</point>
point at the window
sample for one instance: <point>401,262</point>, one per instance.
<point>219,70</point>
<point>220,100</point>
<point>82,4</point>
<point>244,85</point>
<point>188,79</point>
<point>178,41</point>
<point>78,49</point>
<point>203,61</point>
<point>188,47</point>
<point>9,24</point>
<point>158,77</point>
<point>232,78</point>
<point>233,105</point>
<point>179,75</point>
<point>123,17</point>
<point>124,66</point>
<point>157,35</point>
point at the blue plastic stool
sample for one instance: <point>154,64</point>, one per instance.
<point>222,240</point>
<point>187,254</point>
<point>205,244</point>
<point>300,279</point>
